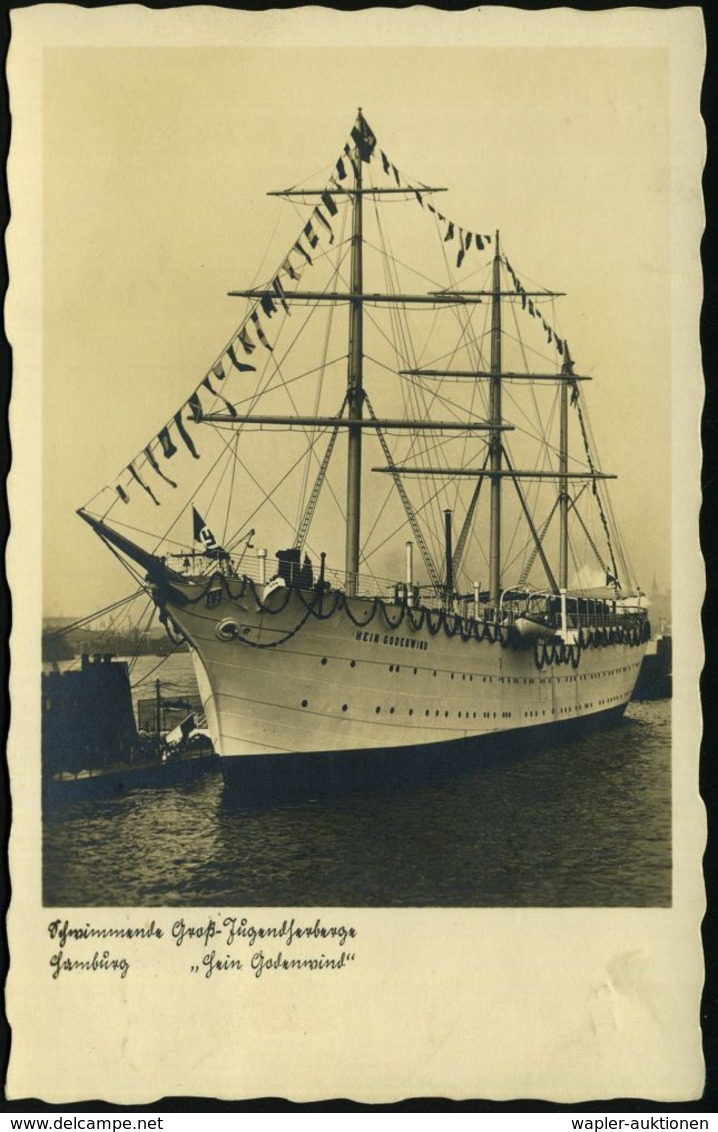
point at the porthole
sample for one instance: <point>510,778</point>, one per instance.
<point>344,707</point>
<point>227,630</point>
<point>377,710</point>
<point>391,711</point>
<point>324,660</point>
<point>352,664</point>
<point>305,703</point>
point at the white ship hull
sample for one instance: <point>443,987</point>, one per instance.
<point>307,674</point>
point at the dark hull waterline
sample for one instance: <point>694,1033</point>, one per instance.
<point>253,781</point>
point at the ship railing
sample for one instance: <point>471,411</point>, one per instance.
<point>600,613</point>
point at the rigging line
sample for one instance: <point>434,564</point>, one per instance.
<point>401,263</point>
<point>585,529</point>
<point>142,636</point>
<point>529,562</point>
<point>428,562</point>
<point>267,496</point>
<point>272,373</point>
<point>230,495</point>
<point>391,283</point>
<point>400,319</point>
<point>302,528</point>
<point>468,520</point>
<point>143,679</point>
<point>475,389</point>
<point>292,380</point>
<point>322,370</point>
<point>92,616</point>
<point>411,397</point>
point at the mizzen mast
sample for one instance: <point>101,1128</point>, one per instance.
<point>355,379</point>
<point>495,445</point>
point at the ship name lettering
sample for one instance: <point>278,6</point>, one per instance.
<point>391,639</point>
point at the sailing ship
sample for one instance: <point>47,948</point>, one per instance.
<point>452,619</point>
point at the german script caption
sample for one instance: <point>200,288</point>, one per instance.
<point>216,947</point>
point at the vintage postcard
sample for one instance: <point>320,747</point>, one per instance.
<point>354,554</point>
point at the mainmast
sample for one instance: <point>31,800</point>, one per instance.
<point>495,446</point>
<point>355,389</point>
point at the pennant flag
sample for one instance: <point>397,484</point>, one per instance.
<point>247,345</point>
<point>430,207</point>
<point>320,216</point>
<point>550,335</point>
<point>185,435</point>
<point>165,440</point>
<point>279,292</point>
<point>153,464</point>
<point>480,243</point>
<point>395,171</point>
<point>218,371</point>
<point>341,169</point>
<point>243,367</point>
<point>286,266</point>
<point>487,239</point>
<point>419,197</point>
<point>203,535</point>
<point>461,252</point>
<point>364,138</point>
<point>306,255</point>
<point>267,304</point>
<point>574,391</point>
<point>313,239</point>
<point>260,333</point>
<point>385,162</point>
<point>195,407</point>
<point>449,232</point>
<point>122,494</point>
<point>227,404</point>
<point>141,482</point>
<point>469,238</point>
<point>350,157</point>
<point>531,309</point>
<point>559,345</point>
<point>330,204</point>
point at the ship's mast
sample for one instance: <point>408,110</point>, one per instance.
<point>495,446</point>
<point>563,487</point>
<point>355,389</point>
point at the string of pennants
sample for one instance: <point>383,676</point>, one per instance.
<point>527,303</point>
<point>567,367</point>
<point>454,232</point>
<point>360,148</point>
<point>250,333</point>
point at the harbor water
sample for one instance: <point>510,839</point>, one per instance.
<point>582,822</point>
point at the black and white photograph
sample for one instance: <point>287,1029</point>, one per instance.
<point>358,407</point>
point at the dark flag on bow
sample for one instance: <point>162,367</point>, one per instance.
<point>203,535</point>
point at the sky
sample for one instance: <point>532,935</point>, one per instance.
<point>156,162</point>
